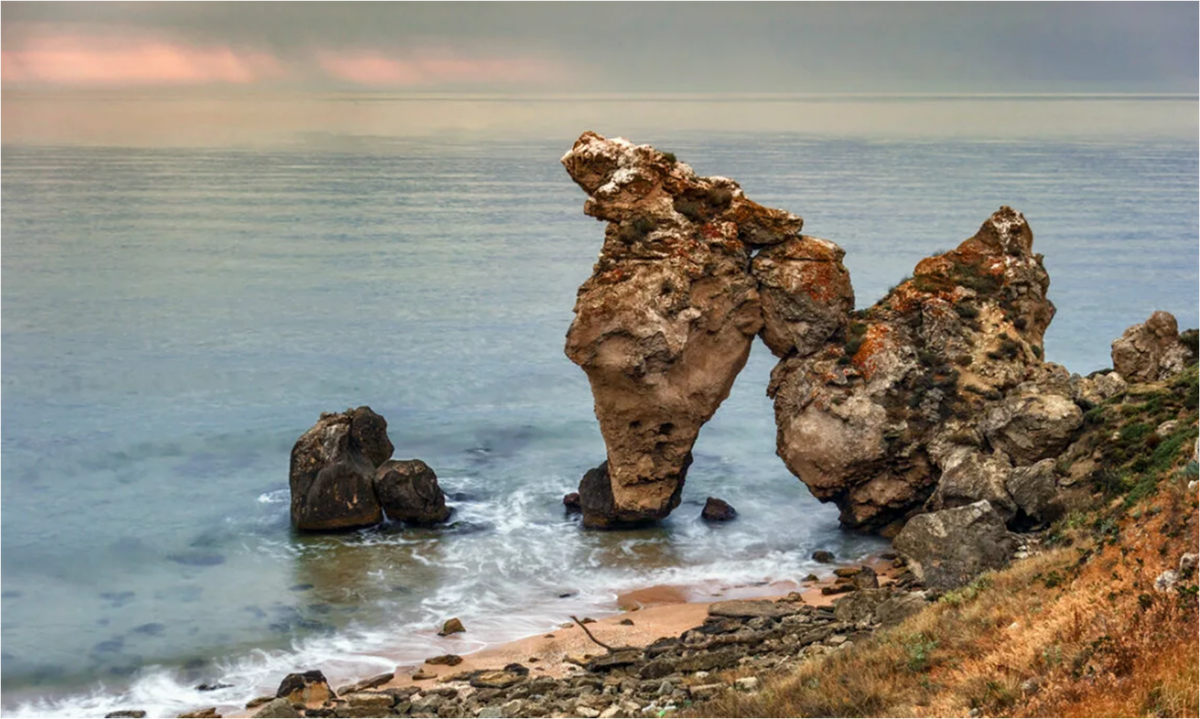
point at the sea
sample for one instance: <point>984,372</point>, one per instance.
<point>176,315</point>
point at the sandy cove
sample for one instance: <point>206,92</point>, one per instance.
<point>643,617</point>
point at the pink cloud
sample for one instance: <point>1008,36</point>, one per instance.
<point>375,68</point>
<point>84,60</point>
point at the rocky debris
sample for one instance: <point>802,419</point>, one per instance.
<point>134,713</point>
<point>717,510</point>
<point>449,660</point>
<point>408,492</point>
<point>1152,350</point>
<point>369,683</point>
<point>259,701</point>
<point>452,626</point>
<point>871,419</point>
<point>277,709</point>
<point>823,556</point>
<point>665,322</point>
<point>305,688</point>
<point>632,682</point>
<point>208,713</point>
<point>333,470</point>
<point>1187,565</point>
<point>970,476</point>
<point>948,548</point>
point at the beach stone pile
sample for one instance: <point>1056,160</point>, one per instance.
<point>754,636</point>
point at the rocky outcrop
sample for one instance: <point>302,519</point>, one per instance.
<point>342,477</point>
<point>408,492</point>
<point>333,471</point>
<point>874,417</point>
<point>1152,350</point>
<point>949,548</point>
<point>665,322</point>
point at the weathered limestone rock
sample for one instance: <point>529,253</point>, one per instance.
<point>408,491</point>
<point>1151,351</point>
<point>970,476</point>
<point>871,418</point>
<point>1034,489</point>
<point>665,322</point>
<point>305,688</point>
<point>277,709</point>
<point>1095,388</point>
<point>947,549</point>
<point>1032,427</point>
<point>333,470</point>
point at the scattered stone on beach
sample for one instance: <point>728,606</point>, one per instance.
<point>421,675</point>
<point>452,626</point>
<point>666,321</point>
<point>823,556</point>
<point>500,679</point>
<point>305,688</point>
<point>811,578</point>
<point>1151,351</point>
<point>449,660</point>
<point>743,608</point>
<point>949,548</point>
<point>408,491</point>
<point>865,578</point>
<point>845,572</point>
<point>626,622</point>
<point>333,471</point>
<point>279,708</point>
<point>717,510</point>
<point>369,683</point>
<point>132,713</point>
<point>209,713</point>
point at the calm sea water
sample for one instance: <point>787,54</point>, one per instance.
<point>174,319</point>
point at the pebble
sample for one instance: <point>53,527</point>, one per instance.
<point>747,684</point>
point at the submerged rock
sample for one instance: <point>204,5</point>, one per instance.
<point>871,418</point>
<point>949,548</point>
<point>333,470</point>
<point>1152,350</point>
<point>408,491</point>
<point>665,322</point>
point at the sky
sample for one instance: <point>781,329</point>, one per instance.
<point>606,47</point>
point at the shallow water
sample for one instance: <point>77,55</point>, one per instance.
<point>174,319</point>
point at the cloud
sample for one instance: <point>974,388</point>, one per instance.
<point>80,59</point>
<point>438,68</point>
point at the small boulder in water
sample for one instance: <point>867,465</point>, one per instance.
<point>452,626</point>
<point>305,688</point>
<point>823,556</point>
<point>135,713</point>
<point>572,503</point>
<point>409,492</point>
<point>718,510</point>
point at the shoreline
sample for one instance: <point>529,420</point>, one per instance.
<point>640,618</point>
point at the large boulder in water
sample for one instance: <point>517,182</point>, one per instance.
<point>1152,350</point>
<point>408,491</point>
<point>871,418</point>
<point>666,321</point>
<point>332,472</point>
<point>949,548</point>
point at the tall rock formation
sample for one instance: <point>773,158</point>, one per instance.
<point>1152,350</point>
<point>871,419</point>
<point>665,322</point>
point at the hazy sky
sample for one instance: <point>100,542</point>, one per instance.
<point>605,47</point>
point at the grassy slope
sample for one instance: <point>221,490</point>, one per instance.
<point>1075,630</point>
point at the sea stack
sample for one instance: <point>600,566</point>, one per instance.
<point>665,322</point>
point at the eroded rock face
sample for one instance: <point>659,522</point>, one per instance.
<point>408,492</point>
<point>947,549</point>
<point>871,418</point>
<point>333,470</point>
<point>666,321</point>
<point>1151,351</point>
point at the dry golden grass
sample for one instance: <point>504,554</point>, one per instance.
<point>1077,630</point>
